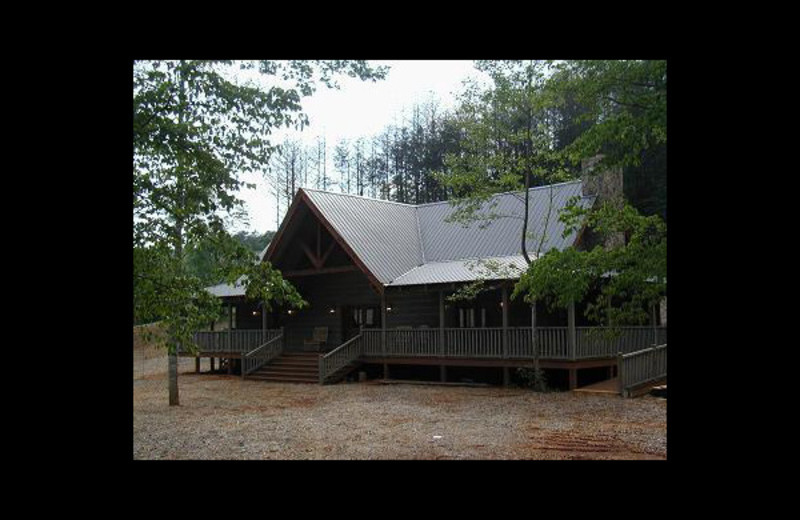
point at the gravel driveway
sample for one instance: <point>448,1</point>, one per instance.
<point>223,417</point>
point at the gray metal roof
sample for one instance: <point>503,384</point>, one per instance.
<point>495,268</point>
<point>501,236</point>
<point>383,234</point>
<point>223,289</point>
<point>402,244</point>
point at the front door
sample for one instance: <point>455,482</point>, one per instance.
<point>355,317</point>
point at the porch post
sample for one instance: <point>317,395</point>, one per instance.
<point>506,370</point>
<point>571,332</point>
<point>263,321</point>
<point>442,369</point>
<point>504,289</point>
<point>383,333</point>
<point>534,339</point>
<point>230,336</point>
<point>230,327</point>
<point>653,321</point>
<point>441,322</point>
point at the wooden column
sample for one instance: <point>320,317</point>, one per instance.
<point>504,339</point>
<point>441,323</point>
<point>263,321</point>
<point>197,364</point>
<point>571,332</point>
<point>534,339</point>
<point>442,368</point>
<point>383,332</point>
<point>230,327</point>
<point>653,321</point>
<point>504,289</point>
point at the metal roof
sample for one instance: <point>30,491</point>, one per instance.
<point>403,244</point>
<point>383,234</point>
<point>443,240</point>
<point>225,290</point>
<point>495,268</point>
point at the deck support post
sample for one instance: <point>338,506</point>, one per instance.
<point>573,378</point>
<point>506,376</point>
<point>443,374</point>
<point>571,333</point>
<point>386,370</point>
<point>505,320</point>
<point>197,364</point>
<point>212,364</point>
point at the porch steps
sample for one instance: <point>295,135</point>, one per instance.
<point>290,367</point>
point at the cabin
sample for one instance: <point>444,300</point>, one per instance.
<point>380,276</point>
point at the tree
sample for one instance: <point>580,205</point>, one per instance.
<point>622,280</point>
<point>507,144</point>
<point>624,107</point>
<point>195,129</point>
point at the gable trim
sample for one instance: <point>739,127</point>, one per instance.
<point>302,196</point>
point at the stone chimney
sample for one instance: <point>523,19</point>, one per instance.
<point>607,186</point>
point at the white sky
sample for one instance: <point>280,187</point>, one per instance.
<point>361,109</point>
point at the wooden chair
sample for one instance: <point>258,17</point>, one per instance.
<point>318,338</point>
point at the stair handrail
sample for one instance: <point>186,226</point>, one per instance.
<point>252,360</point>
<point>339,357</point>
<point>641,367</point>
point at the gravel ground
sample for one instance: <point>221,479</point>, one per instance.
<point>223,417</point>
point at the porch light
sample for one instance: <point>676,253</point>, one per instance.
<point>290,311</point>
<point>332,311</point>
<point>255,313</point>
<point>388,308</point>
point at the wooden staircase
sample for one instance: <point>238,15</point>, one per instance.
<point>290,367</point>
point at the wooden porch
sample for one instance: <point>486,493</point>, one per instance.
<point>627,352</point>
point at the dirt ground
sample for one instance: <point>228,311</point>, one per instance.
<point>223,417</point>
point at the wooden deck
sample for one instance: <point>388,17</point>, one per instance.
<point>628,353</point>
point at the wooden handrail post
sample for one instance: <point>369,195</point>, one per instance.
<point>620,374</point>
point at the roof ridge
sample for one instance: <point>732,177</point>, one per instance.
<point>440,201</point>
<point>508,192</point>
<point>360,197</point>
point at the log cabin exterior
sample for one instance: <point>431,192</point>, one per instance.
<point>377,275</point>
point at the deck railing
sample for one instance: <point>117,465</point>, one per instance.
<point>241,340</point>
<point>262,355</point>
<point>340,357</point>
<point>599,342</point>
<point>551,342</point>
<point>640,367</point>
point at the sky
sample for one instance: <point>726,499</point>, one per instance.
<point>360,109</point>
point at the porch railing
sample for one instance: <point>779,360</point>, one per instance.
<point>340,357</point>
<point>551,342</point>
<point>600,342</point>
<point>262,355</point>
<point>242,340</point>
<point>641,367</point>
